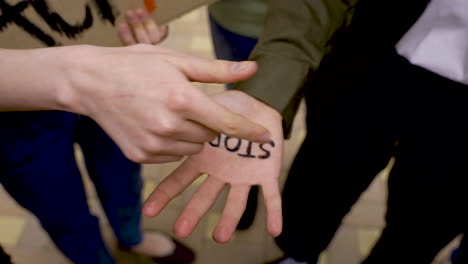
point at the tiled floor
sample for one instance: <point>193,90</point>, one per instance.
<point>24,239</point>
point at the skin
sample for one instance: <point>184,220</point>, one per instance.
<point>141,28</point>
<point>140,95</point>
<point>221,160</point>
<point>227,168</point>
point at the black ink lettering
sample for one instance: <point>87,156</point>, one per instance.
<point>56,22</point>
<point>106,10</point>
<point>267,152</point>
<point>249,152</point>
<point>7,18</point>
<point>236,148</point>
<point>217,142</point>
<point>12,14</point>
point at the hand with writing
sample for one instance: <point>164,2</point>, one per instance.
<point>228,161</point>
<point>141,28</point>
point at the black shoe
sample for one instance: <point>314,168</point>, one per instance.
<point>250,210</point>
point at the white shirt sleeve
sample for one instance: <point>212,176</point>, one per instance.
<point>438,41</point>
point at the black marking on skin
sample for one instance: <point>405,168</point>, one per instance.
<point>267,152</point>
<point>217,142</point>
<point>236,148</point>
<point>249,152</point>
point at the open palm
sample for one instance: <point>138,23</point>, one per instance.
<point>228,161</point>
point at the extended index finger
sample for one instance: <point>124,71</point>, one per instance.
<point>212,71</point>
<point>207,112</point>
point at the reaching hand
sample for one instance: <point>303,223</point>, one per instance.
<point>141,28</point>
<point>142,97</point>
<point>228,161</point>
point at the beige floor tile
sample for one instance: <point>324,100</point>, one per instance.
<point>234,252</point>
<point>190,18</point>
<point>179,43</point>
<point>151,172</point>
<point>376,193</point>
<point>37,256</point>
<point>201,45</point>
<point>97,210</point>
<point>210,88</point>
<point>193,23</point>
<point>11,228</point>
<point>323,259</point>
<point>34,237</point>
<point>213,219</point>
<point>200,180</point>
<point>109,237</point>
<point>148,188</point>
<point>271,250</point>
<point>9,207</point>
<point>344,247</point>
<point>367,238</point>
<point>366,214</point>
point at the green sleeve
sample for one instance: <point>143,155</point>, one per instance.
<point>296,35</point>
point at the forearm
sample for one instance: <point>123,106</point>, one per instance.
<point>297,34</point>
<point>33,79</point>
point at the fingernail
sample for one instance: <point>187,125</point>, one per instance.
<point>184,224</point>
<point>242,66</point>
<point>148,208</point>
<point>276,228</point>
<point>221,235</point>
<point>182,229</point>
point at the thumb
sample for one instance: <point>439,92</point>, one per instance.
<point>213,71</point>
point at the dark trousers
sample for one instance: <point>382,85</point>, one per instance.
<point>38,169</point>
<point>355,124</point>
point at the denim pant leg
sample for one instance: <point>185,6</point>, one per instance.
<point>38,169</point>
<point>229,45</point>
<point>117,180</point>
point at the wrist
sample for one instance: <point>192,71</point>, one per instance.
<point>30,79</point>
<point>74,70</point>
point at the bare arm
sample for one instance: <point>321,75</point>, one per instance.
<point>141,95</point>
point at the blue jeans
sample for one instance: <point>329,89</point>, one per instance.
<point>229,45</point>
<point>38,169</point>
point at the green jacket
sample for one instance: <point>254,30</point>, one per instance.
<point>296,36</point>
<point>243,17</point>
